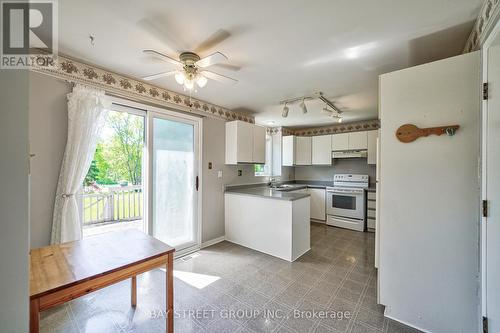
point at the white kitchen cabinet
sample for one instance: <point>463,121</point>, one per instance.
<point>358,140</point>
<point>288,150</point>
<point>245,143</point>
<point>340,141</point>
<point>318,205</point>
<point>372,147</point>
<point>296,150</point>
<point>322,150</point>
<point>303,150</point>
<point>259,144</point>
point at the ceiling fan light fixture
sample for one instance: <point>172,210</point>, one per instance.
<point>284,114</point>
<point>201,81</point>
<point>180,77</point>
<point>189,84</point>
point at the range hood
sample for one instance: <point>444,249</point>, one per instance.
<point>350,154</point>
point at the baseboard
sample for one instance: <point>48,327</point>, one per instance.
<point>213,241</point>
<point>405,323</point>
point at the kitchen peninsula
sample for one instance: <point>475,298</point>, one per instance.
<point>273,221</point>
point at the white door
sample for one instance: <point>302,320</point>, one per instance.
<point>174,180</point>
<point>491,184</point>
<point>429,196</point>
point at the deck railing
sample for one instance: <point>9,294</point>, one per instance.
<point>115,204</point>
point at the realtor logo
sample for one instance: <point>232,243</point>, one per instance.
<point>28,33</point>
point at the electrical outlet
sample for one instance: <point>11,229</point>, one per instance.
<point>209,165</point>
<point>219,174</point>
<point>240,172</point>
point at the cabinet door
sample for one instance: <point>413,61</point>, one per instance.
<point>303,150</point>
<point>372,147</point>
<point>318,207</point>
<point>245,142</point>
<point>288,150</point>
<point>322,150</point>
<point>340,141</point>
<point>259,144</point>
<point>358,140</point>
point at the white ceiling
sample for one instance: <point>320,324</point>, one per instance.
<point>286,48</point>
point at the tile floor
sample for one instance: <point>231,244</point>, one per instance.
<point>229,288</point>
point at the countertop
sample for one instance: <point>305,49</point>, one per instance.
<point>267,192</point>
<point>262,190</point>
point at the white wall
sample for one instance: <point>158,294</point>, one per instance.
<point>429,197</point>
<point>14,201</point>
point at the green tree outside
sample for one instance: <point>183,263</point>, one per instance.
<point>118,155</point>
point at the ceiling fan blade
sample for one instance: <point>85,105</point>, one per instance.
<point>219,77</point>
<point>163,57</point>
<point>160,27</point>
<point>217,37</point>
<point>210,60</point>
<point>230,67</point>
<point>159,75</point>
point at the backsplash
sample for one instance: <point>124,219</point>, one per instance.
<point>354,166</point>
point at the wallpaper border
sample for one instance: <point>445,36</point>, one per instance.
<point>488,16</point>
<point>121,85</point>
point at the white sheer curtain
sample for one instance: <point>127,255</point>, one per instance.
<point>86,111</point>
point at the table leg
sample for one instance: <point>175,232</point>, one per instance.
<point>133,291</point>
<point>170,293</point>
<point>34,315</point>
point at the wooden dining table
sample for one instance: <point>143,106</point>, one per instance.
<point>60,273</point>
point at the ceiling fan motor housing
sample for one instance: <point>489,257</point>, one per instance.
<point>189,58</point>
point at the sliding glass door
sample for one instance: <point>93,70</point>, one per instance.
<point>174,157</point>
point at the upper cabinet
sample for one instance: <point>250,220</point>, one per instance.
<point>259,144</point>
<point>372,147</point>
<point>296,150</point>
<point>358,140</point>
<point>350,141</point>
<point>288,150</point>
<point>322,150</point>
<point>340,141</point>
<point>245,143</point>
<point>303,150</point>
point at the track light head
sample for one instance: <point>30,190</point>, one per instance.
<point>303,106</point>
<point>284,114</point>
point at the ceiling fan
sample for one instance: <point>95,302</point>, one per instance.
<point>191,69</point>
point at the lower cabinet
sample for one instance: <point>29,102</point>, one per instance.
<point>318,206</point>
<point>371,211</point>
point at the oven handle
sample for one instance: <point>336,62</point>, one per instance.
<point>348,193</point>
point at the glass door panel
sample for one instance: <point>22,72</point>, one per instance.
<point>174,177</point>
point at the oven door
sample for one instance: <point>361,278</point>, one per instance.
<point>346,204</point>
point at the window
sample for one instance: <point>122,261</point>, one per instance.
<point>113,188</point>
<point>266,169</point>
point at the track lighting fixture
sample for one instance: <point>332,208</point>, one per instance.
<point>284,114</point>
<point>330,109</point>
<point>303,106</point>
